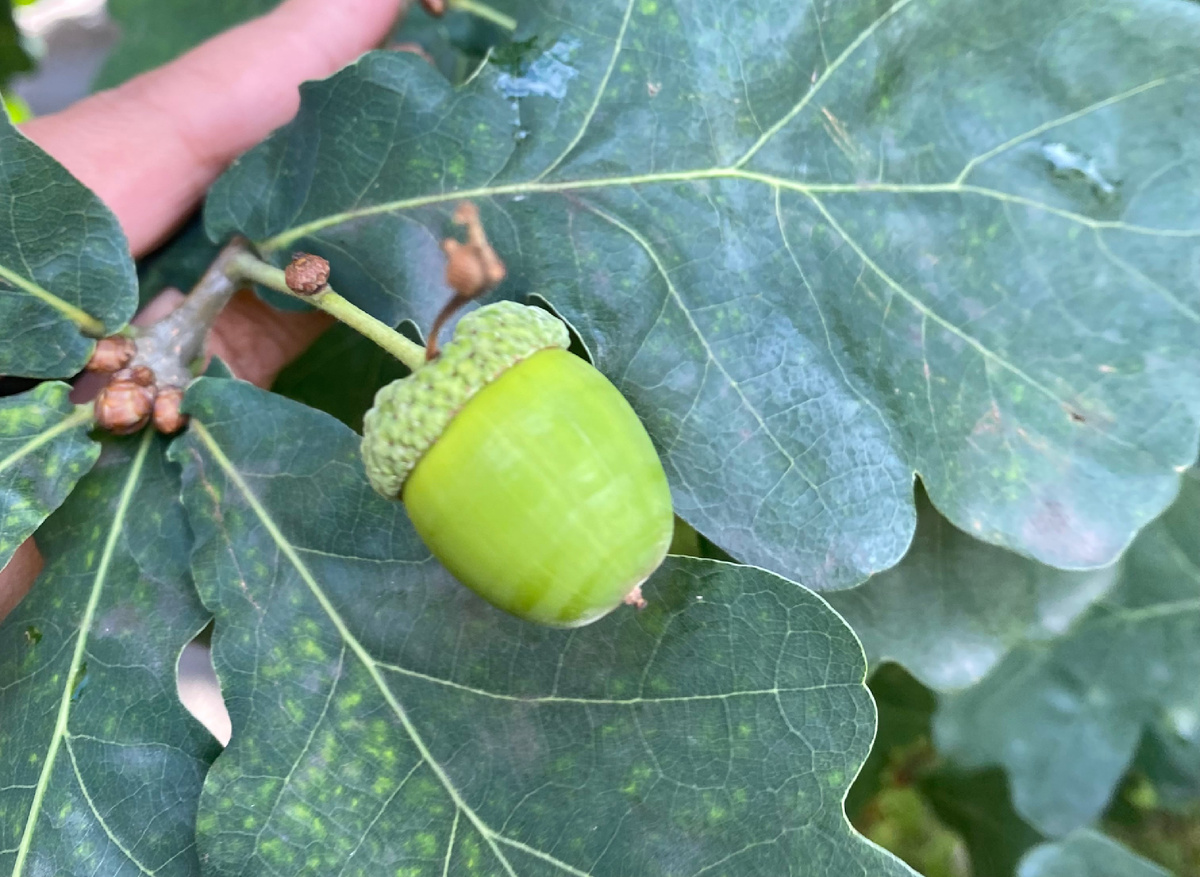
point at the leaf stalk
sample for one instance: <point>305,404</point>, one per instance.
<point>246,266</point>
<point>170,346</point>
<point>487,13</point>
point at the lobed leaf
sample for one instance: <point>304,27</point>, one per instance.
<point>65,271</point>
<point>100,766</point>
<point>974,804</point>
<point>1086,854</point>
<point>1064,717</point>
<point>386,719</point>
<point>44,451</point>
<point>954,606</point>
<point>819,247</point>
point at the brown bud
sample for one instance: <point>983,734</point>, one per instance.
<point>142,375</point>
<point>111,354</point>
<point>436,8</point>
<point>471,270</point>
<point>465,271</point>
<point>167,418</point>
<point>306,274</point>
<point>124,406</point>
<point>474,267</point>
<point>634,598</point>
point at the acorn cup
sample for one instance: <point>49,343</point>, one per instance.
<point>523,469</point>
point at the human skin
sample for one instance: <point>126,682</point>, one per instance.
<point>151,147</point>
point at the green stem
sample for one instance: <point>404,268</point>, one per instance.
<point>245,266</point>
<point>485,12</point>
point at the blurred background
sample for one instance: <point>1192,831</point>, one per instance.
<point>64,42</point>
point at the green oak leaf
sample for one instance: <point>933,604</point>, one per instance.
<point>387,720</point>
<point>1086,853</point>
<point>100,765</point>
<point>818,248</point>
<point>44,451</point>
<point>904,707</point>
<point>955,606</point>
<point>1064,717</point>
<point>65,271</point>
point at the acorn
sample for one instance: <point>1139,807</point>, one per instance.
<point>523,469</point>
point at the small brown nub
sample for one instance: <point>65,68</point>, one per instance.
<point>436,8</point>
<point>306,274</point>
<point>471,270</point>
<point>474,267</point>
<point>111,354</point>
<point>124,406</point>
<point>465,271</point>
<point>167,417</point>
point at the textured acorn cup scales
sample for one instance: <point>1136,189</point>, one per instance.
<point>410,414</point>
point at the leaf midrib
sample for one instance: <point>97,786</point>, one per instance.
<point>87,324</point>
<point>289,236</point>
<point>372,667</point>
<point>85,625</point>
<point>811,191</point>
<point>80,416</point>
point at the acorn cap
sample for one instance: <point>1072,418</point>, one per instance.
<point>410,414</point>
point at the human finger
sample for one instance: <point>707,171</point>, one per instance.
<point>150,148</point>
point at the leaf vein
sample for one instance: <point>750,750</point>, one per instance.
<point>618,43</point>
<point>89,613</point>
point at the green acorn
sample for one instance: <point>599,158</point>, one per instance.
<point>523,469</point>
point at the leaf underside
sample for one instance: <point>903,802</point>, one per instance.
<point>954,606</point>
<point>1086,854</point>
<point>1064,717</point>
<point>101,764</point>
<point>819,247</point>
<point>387,719</point>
